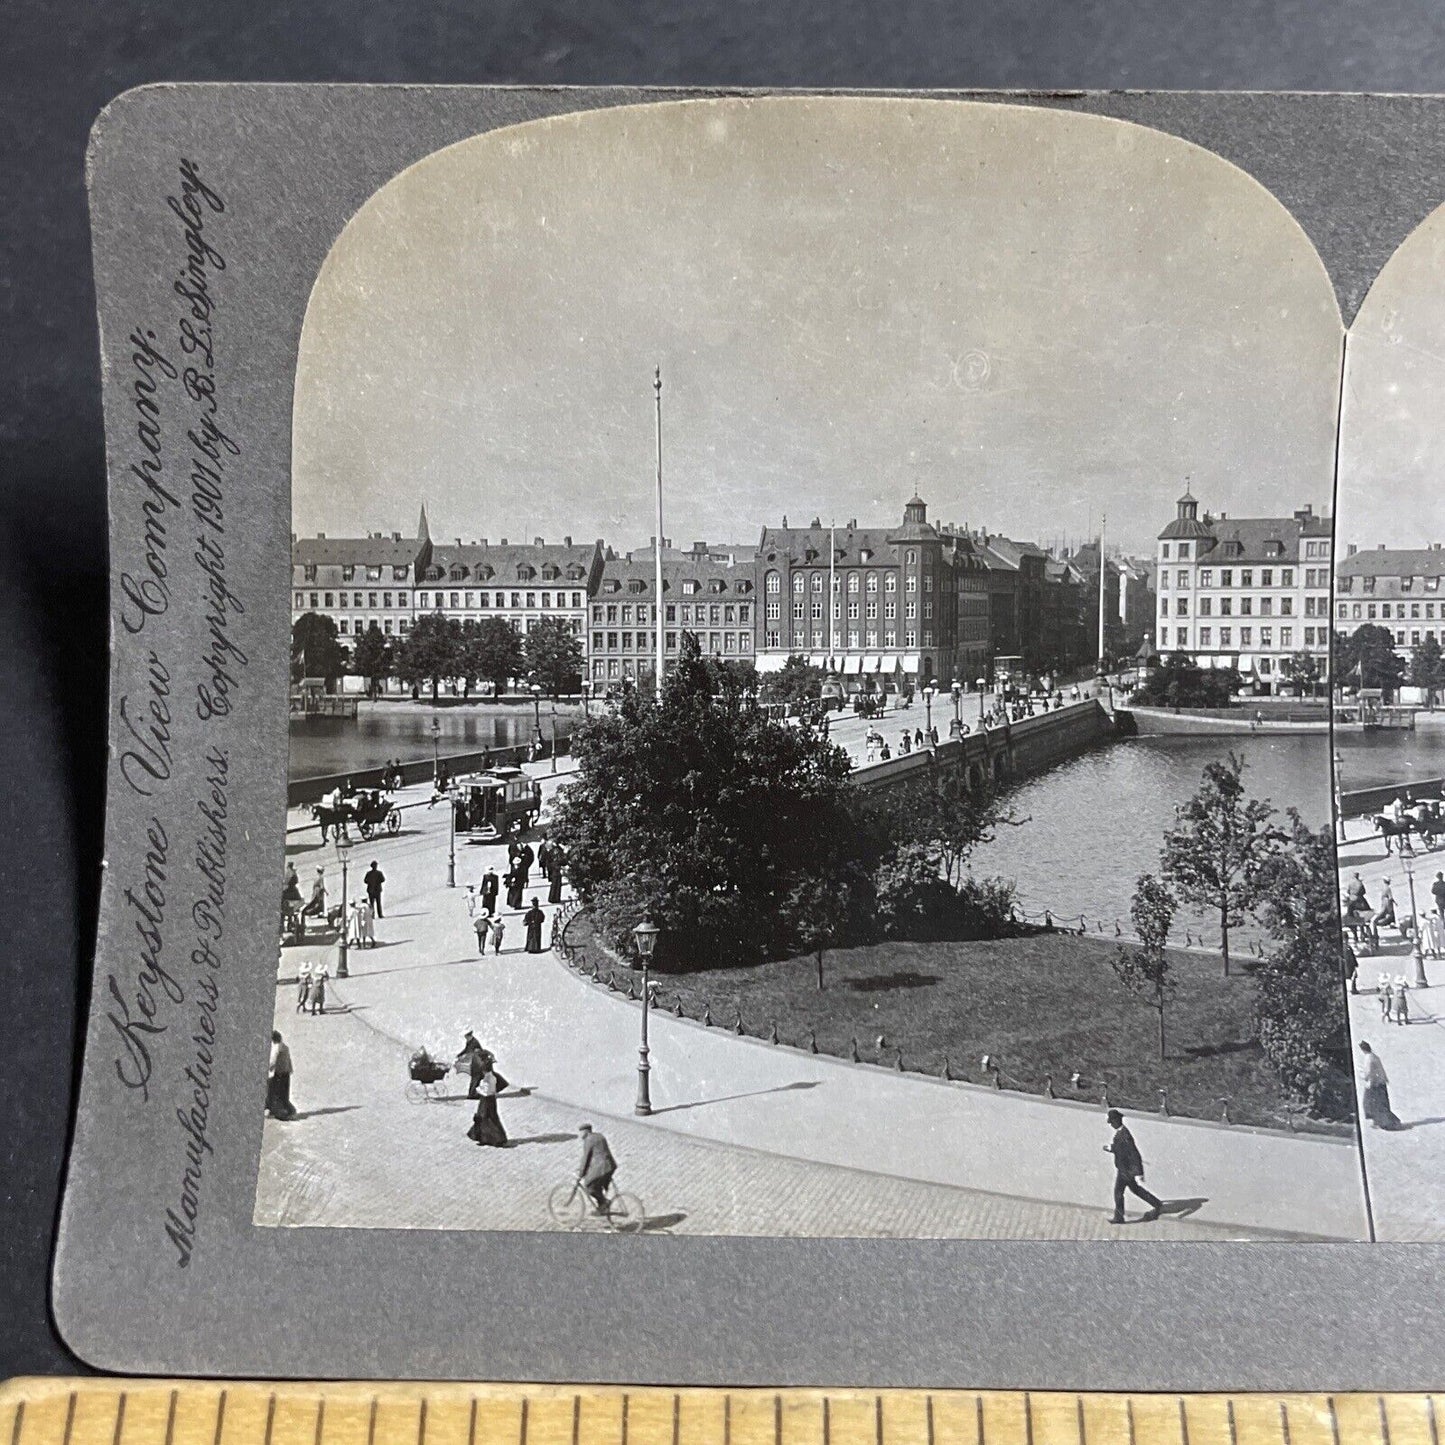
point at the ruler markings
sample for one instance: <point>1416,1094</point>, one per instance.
<point>978,1418</point>
<point>576,1418</point>
<point>928,1417</point>
<point>320,1419</point>
<point>1129,1416</point>
<point>270,1417</point>
<point>777,1421</point>
<point>827,1424</point>
<point>1430,1417</point>
<point>877,1420</point>
<point>1079,1419</point>
<point>171,1416</point>
<point>1233,1427</point>
<point>1183,1423</point>
<point>1028,1420</point>
<point>1384,1420</point>
<point>19,1423</point>
<point>220,1418</point>
<point>119,1418</point>
<point>1334,1420</point>
<point>626,1403</point>
<point>70,1407</point>
<point>1284,1422</point>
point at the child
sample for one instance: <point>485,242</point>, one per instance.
<point>498,928</point>
<point>303,988</point>
<point>483,927</point>
<point>1402,1003</point>
<point>318,991</point>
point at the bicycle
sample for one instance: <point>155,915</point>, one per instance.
<point>568,1204</point>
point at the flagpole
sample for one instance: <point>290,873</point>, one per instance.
<point>658,609</point>
<point>832,588</point>
<point>1103,522</point>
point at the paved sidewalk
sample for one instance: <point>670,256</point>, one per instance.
<point>1407,1167</point>
<point>577,1045</point>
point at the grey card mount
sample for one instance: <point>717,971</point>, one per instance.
<point>744,748</point>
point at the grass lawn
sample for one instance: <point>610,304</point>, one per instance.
<point>1044,1005</point>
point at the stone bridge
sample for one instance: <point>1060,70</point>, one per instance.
<point>1003,754</point>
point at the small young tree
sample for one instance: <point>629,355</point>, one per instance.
<point>315,646</point>
<point>430,652</point>
<point>1223,838</point>
<point>946,815</point>
<point>1143,968</point>
<point>373,659</point>
<point>553,653</point>
<point>823,911</point>
<point>1427,668</point>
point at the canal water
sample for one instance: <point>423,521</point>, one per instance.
<point>1378,759</point>
<point>1097,821</point>
<point>322,747</point>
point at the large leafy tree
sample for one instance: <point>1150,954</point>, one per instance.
<point>430,652</point>
<point>703,814</point>
<point>315,649</point>
<point>943,813</point>
<point>1143,968</point>
<point>1214,856</point>
<point>1303,671</point>
<point>797,681</point>
<point>1367,657</point>
<point>1177,682</point>
<point>373,659</point>
<point>492,652</point>
<point>553,653</point>
<point>1300,999</point>
<point>1427,668</point>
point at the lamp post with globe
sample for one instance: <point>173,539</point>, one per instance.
<point>536,691</point>
<point>645,936</point>
<point>343,856</point>
<point>436,752</point>
<point>928,693</point>
<point>982,698</point>
<point>1417,951</point>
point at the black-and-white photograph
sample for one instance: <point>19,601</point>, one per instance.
<point>1390,731</point>
<point>811,691</point>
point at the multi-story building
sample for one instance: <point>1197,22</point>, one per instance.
<point>359,580</point>
<point>1129,604</point>
<point>870,602</point>
<point>971,591</point>
<point>715,601</point>
<point>1398,589</point>
<point>520,583</point>
<point>1017,578</point>
<point>1247,593</point>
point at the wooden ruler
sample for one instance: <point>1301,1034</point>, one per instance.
<point>162,1412</point>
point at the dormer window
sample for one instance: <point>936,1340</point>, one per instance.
<point>458,573</point>
<point>373,574</point>
<point>636,584</point>
<point>1406,583</point>
<point>865,554</point>
<point>612,585</point>
<point>551,572</point>
<point>746,586</point>
<point>716,586</point>
<point>348,572</point>
<point>576,573</point>
<point>1367,584</point>
<point>525,572</point>
<point>1347,583</point>
<point>398,574</point>
<point>810,554</point>
<point>691,587</point>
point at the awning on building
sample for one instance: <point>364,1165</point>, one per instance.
<point>907,662</point>
<point>770,661</point>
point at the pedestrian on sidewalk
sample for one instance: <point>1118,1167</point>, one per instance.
<point>1402,1001</point>
<point>366,921</point>
<point>318,991</point>
<point>374,880</point>
<point>483,925</point>
<point>1438,889</point>
<point>303,988</point>
<point>278,1080</point>
<point>534,918</point>
<point>1350,961</point>
<point>554,874</point>
<point>515,885</point>
<point>486,1128</point>
<point>316,905</point>
<point>525,858</point>
<point>491,885</point>
<point>1128,1170</point>
<point>498,929</point>
<point>1386,915</point>
<point>1376,1100</point>
<point>1387,998</point>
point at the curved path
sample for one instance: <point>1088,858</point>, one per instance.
<point>576,1045</point>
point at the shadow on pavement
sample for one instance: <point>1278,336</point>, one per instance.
<point>730,1098</point>
<point>542,1139</point>
<point>1182,1208</point>
<point>661,1223</point>
<point>319,1113</point>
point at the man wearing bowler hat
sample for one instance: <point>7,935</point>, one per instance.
<point>1128,1170</point>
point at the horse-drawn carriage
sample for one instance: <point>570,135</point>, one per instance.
<point>497,803</point>
<point>369,811</point>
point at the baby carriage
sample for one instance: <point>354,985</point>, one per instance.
<point>425,1075</point>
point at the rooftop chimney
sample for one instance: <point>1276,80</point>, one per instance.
<point>1305,513</point>
<point>1351,550</point>
<point>459,541</point>
<point>1382,546</point>
<point>538,542</point>
<point>396,536</point>
<point>566,541</point>
<point>852,524</point>
<point>321,536</point>
<point>503,542</point>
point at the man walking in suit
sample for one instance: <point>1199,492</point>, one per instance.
<point>373,880</point>
<point>490,884</point>
<point>1128,1170</point>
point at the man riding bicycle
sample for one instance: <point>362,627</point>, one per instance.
<point>597,1167</point>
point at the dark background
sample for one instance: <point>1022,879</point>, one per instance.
<point>61,61</point>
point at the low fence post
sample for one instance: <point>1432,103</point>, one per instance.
<point>947,1071</point>
<point>853,1051</point>
<point>1049,1086</point>
<point>706,1014</point>
<point>773,1033</point>
<point>812,1041</point>
<point>1164,1102</point>
<point>1224,1111</point>
<point>738,1022</point>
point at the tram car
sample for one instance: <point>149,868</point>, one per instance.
<point>497,803</point>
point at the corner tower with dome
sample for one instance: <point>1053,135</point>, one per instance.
<point>1251,593</point>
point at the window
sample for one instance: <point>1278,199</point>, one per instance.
<point>1266,606</point>
<point>817,609</point>
<point>1286,577</point>
<point>300,600</point>
<point>1181,607</point>
<point>398,574</point>
<point>547,599</point>
<point>1266,637</point>
<point>799,608</point>
<point>1183,579</point>
<point>872,583</point>
<point>910,584</point>
<point>890,582</point>
<point>872,612</point>
<point>1400,638</point>
<point>1367,584</point>
<point>1206,577</point>
<point>612,612</point>
<point>315,602</point>
<point>1226,577</point>
<point>1226,636</point>
<point>911,611</point>
<point>1286,606</point>
<point>1432,584</point>
<point>1206,605</point>
<point>329,602</point>
<point>912,558</point>
<point>1414,611</point>
<point>775,611</point>
<point>1204,636</point>
<point>1246,637</point>
<point>910,639</point>
<point>341,627</point>
<point>1226,606</point>
<point>853,612</point>
<point>1246,606</point>
<point>745,613</point>
<point>596,642</point>
<point>401,599</point>
<point>890,611</point>
<point>1183,551</point>
<point>852,581</point>
<point>1164,552</point>
<point>1181,636</point>
<point>386,626</point>
<point>1163,637</point>
<point>774,582</point>
<point>310,570</point>
<point>1246,577</point>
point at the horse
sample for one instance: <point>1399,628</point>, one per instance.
<point>1388,828</point>
<point>329,817</point>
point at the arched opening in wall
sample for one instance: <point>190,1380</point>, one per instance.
<point>975,777</point>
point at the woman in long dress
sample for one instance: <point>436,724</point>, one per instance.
<point>554,875</point>
<point>486,1126</point>
<point>1377,1092</point>
<point>534,918</point>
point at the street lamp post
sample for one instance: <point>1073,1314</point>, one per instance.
<point>645,936</point>
<point>928,710</point>
<point>982,694</point>
<point>957,691</point>
<point>1417,952</point>
<point>1340,795</point>
<point>436,751</point>
<point>536,691</point>
<point>554,734</point>
<point>453,793</point>
<point>343,854</point>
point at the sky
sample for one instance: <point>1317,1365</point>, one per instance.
<point>1032,318</point>
<point>1392,438</point>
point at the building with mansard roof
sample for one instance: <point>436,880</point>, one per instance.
<point>360,580</point>
<point>1250,593</point>
<point>716,601</point>
<point>1397,588</point>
